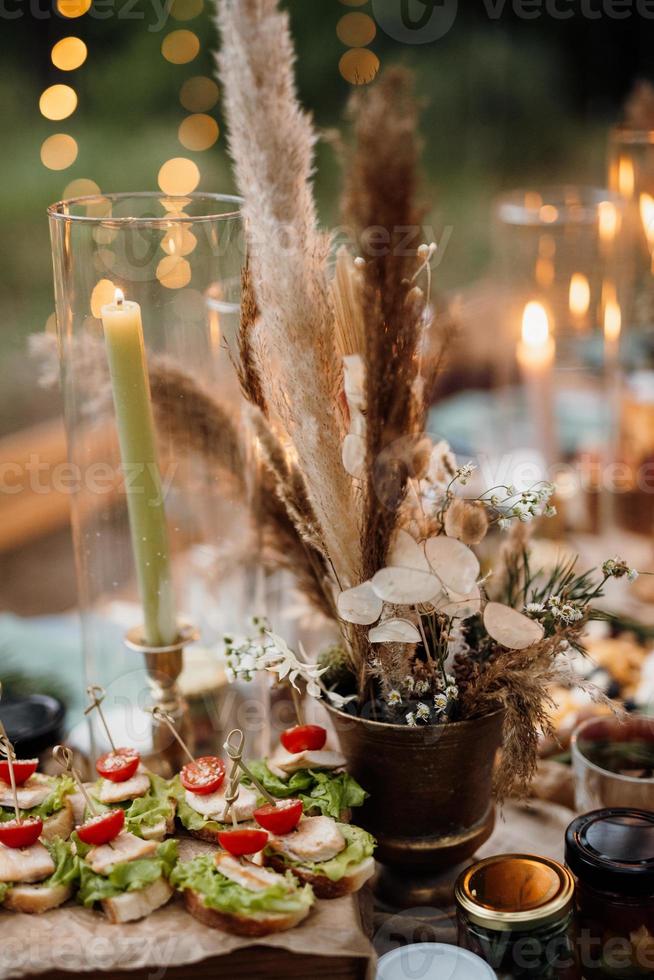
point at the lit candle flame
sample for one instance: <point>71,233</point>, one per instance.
<point>626,177</point>
<point>612,320</point>
<point>608,220</point>
<point>119,297</point>
<point>579,297</point>
<point>535,326</point>
<point>647,216</point>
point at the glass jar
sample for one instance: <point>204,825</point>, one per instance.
<point>611,854</point>
<point>516,911</point>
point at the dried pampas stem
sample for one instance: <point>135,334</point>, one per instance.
<point>288,261</point>
<point>347,294</point>
<point>379,193</point>
<point>193,419</point>
<point>248,369</point>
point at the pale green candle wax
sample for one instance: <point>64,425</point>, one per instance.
<point>123,334</point>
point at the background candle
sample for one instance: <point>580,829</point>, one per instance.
<point>123,334</point>
<point>535,353</point>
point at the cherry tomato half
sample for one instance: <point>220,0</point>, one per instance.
<point>23,769</point>
<point>303,738</point>
<point>118,766</point>
<point>103,828</point>
<point>203,776</point>
<point>240,842</point>
<point>23,834</point>
<point>281,817</point>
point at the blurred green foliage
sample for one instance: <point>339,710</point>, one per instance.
<point>499,110</point>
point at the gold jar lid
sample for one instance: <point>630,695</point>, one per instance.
<point>515,892</point>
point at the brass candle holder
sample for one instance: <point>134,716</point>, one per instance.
<point>164,666</point>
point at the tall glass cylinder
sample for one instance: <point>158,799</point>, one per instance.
<point>631,176</point>
<point>564,275</point>
<point>147,294</point>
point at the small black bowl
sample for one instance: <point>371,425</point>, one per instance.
<point>34,723</point>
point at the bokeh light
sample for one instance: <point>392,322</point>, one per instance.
<point>81,187</point>
<point>73,8</point>
<point>356,30</point>
<point>180,47</point>
<point>58,102</point>
<point>359,66</point>
<point>69,53</point>
<point>186,9</point>
<point>174,272</point>
<point>198,94</point>
<point>178,176</point>
<point>103,293</point>
<point>58,151</point>
<point>198,132</point>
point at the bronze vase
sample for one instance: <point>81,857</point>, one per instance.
<point>430,804</point>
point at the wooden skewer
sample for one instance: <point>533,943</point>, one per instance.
<point>166,719</point>
<point>7,750</point>
<point>97,695</point>
<point>64,757</point>
<point>235,753</point>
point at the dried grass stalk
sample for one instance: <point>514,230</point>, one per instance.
<point>271,142</point>
<point>347,295</point>
<point>194,421</point>
<point>249,374</point>
<point>380,194</point>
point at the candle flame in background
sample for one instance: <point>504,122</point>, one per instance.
<point>612,320</point>
<point>535,325</point>
<point>608,220</point>
<point>626,180</point>
<point>119,297</point>
<point>579,295</point>
<point>647,216</point>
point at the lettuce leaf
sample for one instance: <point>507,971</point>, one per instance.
<point>4,888</point>
<point>66,863</point>
<point>189,818</point>
<point>218,892</point>
<point>329,793</point>
<point>129,876</point>
<point>62,786</point>
<point>359,846</point>
<point>146,811</point>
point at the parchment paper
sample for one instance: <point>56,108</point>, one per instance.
<point>82,941</point>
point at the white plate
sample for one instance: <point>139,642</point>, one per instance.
<point>432,961</point>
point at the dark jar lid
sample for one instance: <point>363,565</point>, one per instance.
<point>515,892</point>
<point>33,724</point>
<point>612,850</point>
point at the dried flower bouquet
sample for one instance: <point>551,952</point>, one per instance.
<point>369,512</point>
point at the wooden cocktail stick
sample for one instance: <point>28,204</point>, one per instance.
<point>97,695</point>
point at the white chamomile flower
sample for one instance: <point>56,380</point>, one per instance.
<point>411,719</point>
<point>534,607</point>
<point>440,702</point>
<point>393,697</point>
<point>451,692</point>
<point>421,687</point>
<point>422,711</point>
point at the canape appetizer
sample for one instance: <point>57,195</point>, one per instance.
<point>228,891</point>
<point>127,876</point>
<point>40,797</point>
<point>35,876</point>
<point>334,858</point>
<point>304,767</point>
<point>124,782</point>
